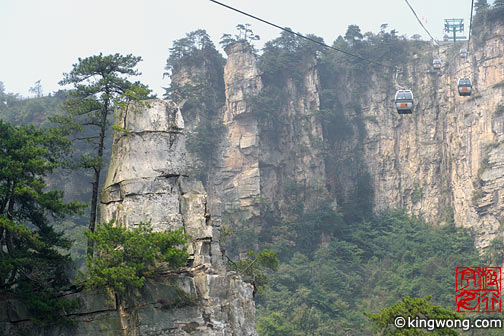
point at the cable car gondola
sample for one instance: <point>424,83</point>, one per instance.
<point>464,87</point>
<point>404,101</point>
<point>436,63</point>
<point>463,53</point>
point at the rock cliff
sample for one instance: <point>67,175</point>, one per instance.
<point>447,156</point>
<point>147,182</point>
<point>261,153</point>
<point>236,178</point>
<point>254,161</point>
<point>445,161</point>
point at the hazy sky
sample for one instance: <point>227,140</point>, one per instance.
<point>41,39</point>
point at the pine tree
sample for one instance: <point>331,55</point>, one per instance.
<point>353,34</point>
<point>37,89</point>
<point>498,4</point>
<point>497,12</point>
<point>481,6</point>
<point>100,86</point>
<point>30,249</point>
<point>386,323</point>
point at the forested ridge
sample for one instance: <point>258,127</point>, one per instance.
<point>322,270</point>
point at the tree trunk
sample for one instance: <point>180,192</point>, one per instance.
<point>96,178</point>
<point>9,242</point>
<point>94,204</point>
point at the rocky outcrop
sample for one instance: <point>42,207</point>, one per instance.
<point>148,158</point>
<point>291,151</point>
<point>147,182</point>
<point>445,158</point>
<point>253,163</point>
<point>442,162</point>
<point>475,141</point>
<point>248,164</point>
<point>236,179</point>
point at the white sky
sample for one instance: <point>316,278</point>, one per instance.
<point>41,39</point>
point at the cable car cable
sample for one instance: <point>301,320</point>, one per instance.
<point>421,24</point>
<point>302,36</point>
<point>395,68</point>
<point>470,25</point>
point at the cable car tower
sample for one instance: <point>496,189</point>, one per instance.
<point>455,26</point>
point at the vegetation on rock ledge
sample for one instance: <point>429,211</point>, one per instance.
<point>126,257</point>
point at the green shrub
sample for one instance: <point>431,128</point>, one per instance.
<point>253,268</point>
<point>494,254</point>
<point>477,195</point>
<point>124,258</point>
<point>417,193</point>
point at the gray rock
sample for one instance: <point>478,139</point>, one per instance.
<point>146,182</point>
<point>17,311</point>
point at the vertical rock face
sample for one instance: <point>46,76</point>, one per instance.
<point>447,159</point>
<point>447,156</point>
<point>148,158</point>
<point>252,162</point>
<point>295,157</point>
<point>249,164</point>
<point>444,161</point>
<point>146,182</point>
<point>477,145</point>
<point>237,180</point>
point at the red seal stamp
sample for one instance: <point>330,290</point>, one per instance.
<point>478,289</point>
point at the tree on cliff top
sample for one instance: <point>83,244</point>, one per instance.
<point>193,49</point>
<point>206,87</point>
<point>498,10</point>
<point>37,89</point>
<point>100,86</point>
<point>245,34</point>
<point>481,6</point>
